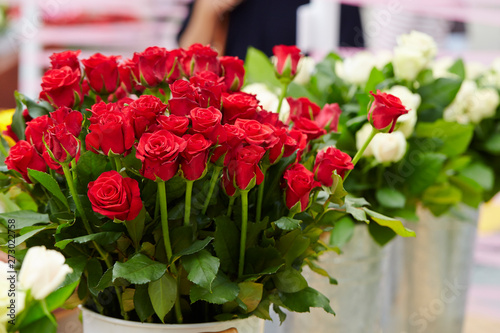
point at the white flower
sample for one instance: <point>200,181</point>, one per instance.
<point>382,58</point>
<point>440,68</point>
<point>411,101</point>
<point>361,136</point>
<point>42,271</point>
<point>472,104</point>
<point>9,292</point>
<point>474,69</point>
<point>305,69</point>
<point>268,100</point>
<point>356,69</point>
<point>413,53</point>
<point>389,147</point>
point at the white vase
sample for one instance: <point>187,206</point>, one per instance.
<point>96,323</point>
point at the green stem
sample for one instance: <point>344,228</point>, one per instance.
<point>244,226</point>
<point>231,204</point>
<point>118,163</point>
<point>282,96</point>
<point>291,213</point>
<point>187,201</point>
<point>213,181</point>
<point>260,196</point>
<point>166,239</point>
<point>362,150</point>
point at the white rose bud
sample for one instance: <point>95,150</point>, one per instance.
<point>389,147</point>
<point>361,136</point>
<point>305,69</point>
<point>42,271</point>
<point>411,101</point>
<point>413,53</point>
<point>267,99</point>
<point>357,68</point>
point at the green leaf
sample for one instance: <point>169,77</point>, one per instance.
<point>381,235</point>
<point>259,69</point>
<point>390,198</point>
<point>142,302</point>
<point>163,293</point>
<point>195,247</point>
<point>24,218</point>
<point>202,268</point>
<point>442,194</point>
<point>262,261</point>
<point>356,212</point>
<point>458,68</point>
<point>106,280</point>
<point>342,232</point>
<point>28,234</point>
<point>471,190</point>
<point>139,269</point>
<point>101,238</point>
<point>18,124</point>
<point>436,96</point>
<point>223,291</point>
<point>50,184</point>
<point>77,264</point>
<point>287,223</point>
<point>455,137</point>
<point>425,173</point>
<point>376,77</point>
<point>44,324</point>
<point>316,269</point>
<point>37,108</point>
<point>250,294</point>
<point>292,245</point>
<point>481,174</point>
<point>289,280</point>
<point>94,275</point>
<point>225,244</point>
<point>305,299</point>
<point>89,167</point>
<point>492,145</point>
<point>338,191</point>
<point>135,227</point>
<point>394,224</point>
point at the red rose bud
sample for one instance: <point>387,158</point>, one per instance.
<point>184,98</point>
<point>203,59</point>
<point>227,184</point>
<point>233,72</point>
<point>175,124</point>
<point>299,183</point>
<point>257,133</point>
<point>243,168</point>
<point>183,88</point>
<point>159,152</point>
<point>309,128</point>
<point>195,156</point>
<point>110,130</point>
<point>385,111</point>
<point>296,141</point>
<point>155,65</point>
<point>102,73</point>
<point>143,112</point>
<point>210,88</point>
<point>61,87</point>
<point>276,148</point>
<point>207,122</point>
<point>23,156</point>
<point>328,161</point>
<point>35,130</point>
<point>302,108</point>
<point>287,60</point>
<point>234,137</point>
<point>115,197</point>
<point>66,58</point>
<point>328,117</point>
<point>61,146</point>
<point>70,118</point>
<point>239,105</point>
<point>270,118</point>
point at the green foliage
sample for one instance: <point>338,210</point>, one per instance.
<point>163,293</point>
<point>139,269</point>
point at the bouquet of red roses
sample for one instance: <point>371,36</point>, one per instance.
<point>173,195</point>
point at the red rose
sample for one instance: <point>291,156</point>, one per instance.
<point>328,117</point>
<point>257,133</point>
<point>155,65</point>
<point>10,133</point>
<point>61,87</point>
<point>72,119</point>
<point>243,168</point>
<point>183,88</point>
<point>207,122</point>
<point>302,107</point>
<point>203,59</point>
<point>210,88</point>
<point>385,111</point>
<point>329,160</point>
<point>234,137</point>
<point>127,82</point>
<point>35,130</point>
<point>195,156</point>
<point>115,197</point>
<point>233,72</point>
<point>309,128</point>
<point>159,152</point>
<point>143,112</point>
<point>287,60</point>
<point>66,58</point>
<point>227,184</point>
<point>276,148</point>
<point>175,124</point>
<point>299,183</point>
<point>271,118</point>
<point>184,98</point>
<point>110,130</point>
<point>238,105</point>
<point>102,73</point>
<point>23,156</point>
<point>62,146</point>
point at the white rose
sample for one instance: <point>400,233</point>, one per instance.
<point>421,42</point>
<point>356,69</point>
<point>267,99</point>
<point>484,104</point>
<point>305,69</point>
<point>413,53</point>
<point>411,101</point>
<point>42,271</point>
<point>5,300</point>
<point>474,70</point>
<point>440,68</point>
<point>389,147</point>
<point>361,136</point>
<point>382,58</point>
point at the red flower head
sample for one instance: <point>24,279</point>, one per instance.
<point>257,133</point>
<point>35,129</point>
<point>328,117</point>
<point>328,161</point>
<point>62,146</point>
<point>195,156</point>
<point>175,124</point>
<point>309,128</point>
<point>184,98</point>
<point>271,118</point>
<point>23,156</point>
<point>234,136</point>
<point>299,183</point>
<point>296,141</point>
<point>385,111</point>
<point>287,60</point>
<point>243,168</point>
<point>208,122</point>
<point>159,152</point>
<point>102,73</point>
<point>203,58</point>
<point>72,119</point>
<point>210,88</point>
<point>66,58</point>
<point>239,105</point>
<point>115,197</point>
<point>302,108</point>
<point>233,72</point>
<point>61,87</point>
<point>143,112</point>
<point>155,65</point>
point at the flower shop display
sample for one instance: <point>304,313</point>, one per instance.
<point>175,197</point>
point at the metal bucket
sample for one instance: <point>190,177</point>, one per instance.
<point>356,299</point>
<point>429,275</point>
